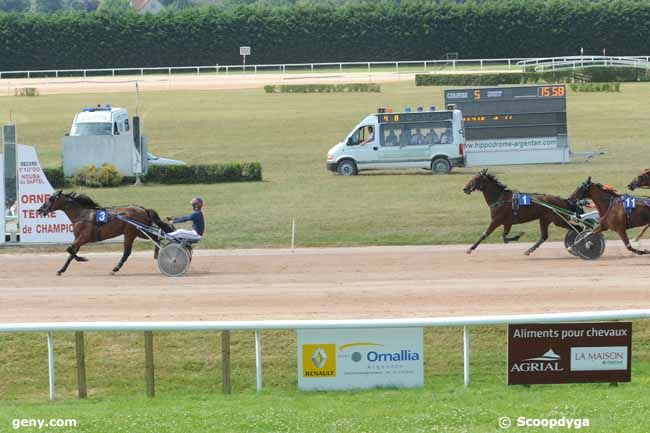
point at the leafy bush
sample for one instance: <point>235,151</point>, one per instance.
<point>596,87</point>
<point>26,91</point>
<point>323,32</point>
<point>323,88</point>
<point>213,173</point>
<point>599,74</point>
<point>107,175</point>
<point>55,177</point>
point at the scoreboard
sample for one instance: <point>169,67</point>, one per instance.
<point>513,125</point>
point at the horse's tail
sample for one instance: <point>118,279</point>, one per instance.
<point>155,218</point>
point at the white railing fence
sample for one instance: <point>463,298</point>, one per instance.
<point>257,326</point>
<point>375,66</point>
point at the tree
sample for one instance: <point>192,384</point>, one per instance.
<point>14,5</point>
<point>47,5</point>
<point>114,5</point>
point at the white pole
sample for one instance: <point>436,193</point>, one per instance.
<point>50,363</point>
<point>293,233</point>
<point>466,355</point>
<point>258,359</point>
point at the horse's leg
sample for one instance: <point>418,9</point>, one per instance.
<point>640,235</point>
<point>623,235</point>
<point>156,250</point>
<point>72,254</point>
<point>543,230</point>
<point>506,230</point>
<point>128,246</point>
<point>493,225</point>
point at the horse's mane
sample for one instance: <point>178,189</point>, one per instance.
<point>606,189</point>
<point>494,179</point>
<point>83,200</point>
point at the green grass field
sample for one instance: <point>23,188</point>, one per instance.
<point>290,135</point>
<point>189,388</point>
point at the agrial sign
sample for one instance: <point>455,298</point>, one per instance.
<point>337,359</point>
<point>569,353</point>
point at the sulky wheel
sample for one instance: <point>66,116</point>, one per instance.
<point>589,246</point>
<point>569,240</point>
<point>174,260</point>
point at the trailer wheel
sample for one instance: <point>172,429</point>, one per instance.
<point>347,167</point>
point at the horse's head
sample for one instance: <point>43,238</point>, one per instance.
<point>583,191</point>
<point>642,180</point>
<point>478,182</point>
<point>53,203</point>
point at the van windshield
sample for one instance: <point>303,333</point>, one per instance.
<point>103,128</point>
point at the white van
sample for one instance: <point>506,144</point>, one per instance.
<point>107,120</point>
<point>100,121</point>
<point>433,140</point>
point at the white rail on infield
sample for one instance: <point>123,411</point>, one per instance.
<point>392,65</point>
<point>259,325</point>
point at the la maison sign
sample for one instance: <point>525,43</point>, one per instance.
<point>569,353</point>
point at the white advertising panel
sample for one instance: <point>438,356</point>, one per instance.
<point>598,358</point>
<point>2,199</point>
<point>337,359</point>
<point>34,190</point>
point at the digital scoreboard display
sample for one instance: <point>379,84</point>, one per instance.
<point>511,112</point>
<point>415,117</point>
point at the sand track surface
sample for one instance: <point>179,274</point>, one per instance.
<point>373,282</point>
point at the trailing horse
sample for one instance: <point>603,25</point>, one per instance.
<point>641,181</point>
<point>618,213</point>
<point>506,210</point>
<point>92,223</point>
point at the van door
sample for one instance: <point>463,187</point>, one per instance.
<point>363,146</point>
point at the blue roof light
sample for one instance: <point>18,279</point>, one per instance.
<point>407,109</point>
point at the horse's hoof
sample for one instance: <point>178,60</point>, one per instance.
<point>469,251</point>
<point>527,253</point>
<point>58,274</point>
<point>81,259</point>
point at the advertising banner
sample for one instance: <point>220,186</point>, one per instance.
<point>511,144</point>
<point>569,353</point>
<point>5,208</point>
<point>34,190</point>
<point>338,359</point>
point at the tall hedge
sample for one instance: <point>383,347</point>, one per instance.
<point>355,31</point>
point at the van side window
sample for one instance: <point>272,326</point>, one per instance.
<point>359,136</point>
<point>126,124</point>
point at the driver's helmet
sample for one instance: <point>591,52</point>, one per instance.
<point>197,203</point>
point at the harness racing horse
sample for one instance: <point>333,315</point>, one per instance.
<point>641,181</point>
<point>614,214</point>
<point>506,211</point>
<point>82,211</point>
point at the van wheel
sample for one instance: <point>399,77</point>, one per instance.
<point>440,166</point>
<point>347,168</point>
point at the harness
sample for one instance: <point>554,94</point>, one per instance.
<point>518,199</point>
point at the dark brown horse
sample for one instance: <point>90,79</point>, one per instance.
<point>81,210</point>
<point>611,210</point>
<point>505,209</point>
<point>641,181</point>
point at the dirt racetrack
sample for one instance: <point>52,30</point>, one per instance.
<point>374,282</point>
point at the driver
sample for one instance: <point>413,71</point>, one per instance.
<point>198,222</point>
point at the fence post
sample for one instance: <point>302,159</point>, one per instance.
<point>225,361</point>
<point>148,363</point>
<point>466,355</point>
<point>81,364</point>
<point>258,359</point>
<point>50,363</point>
